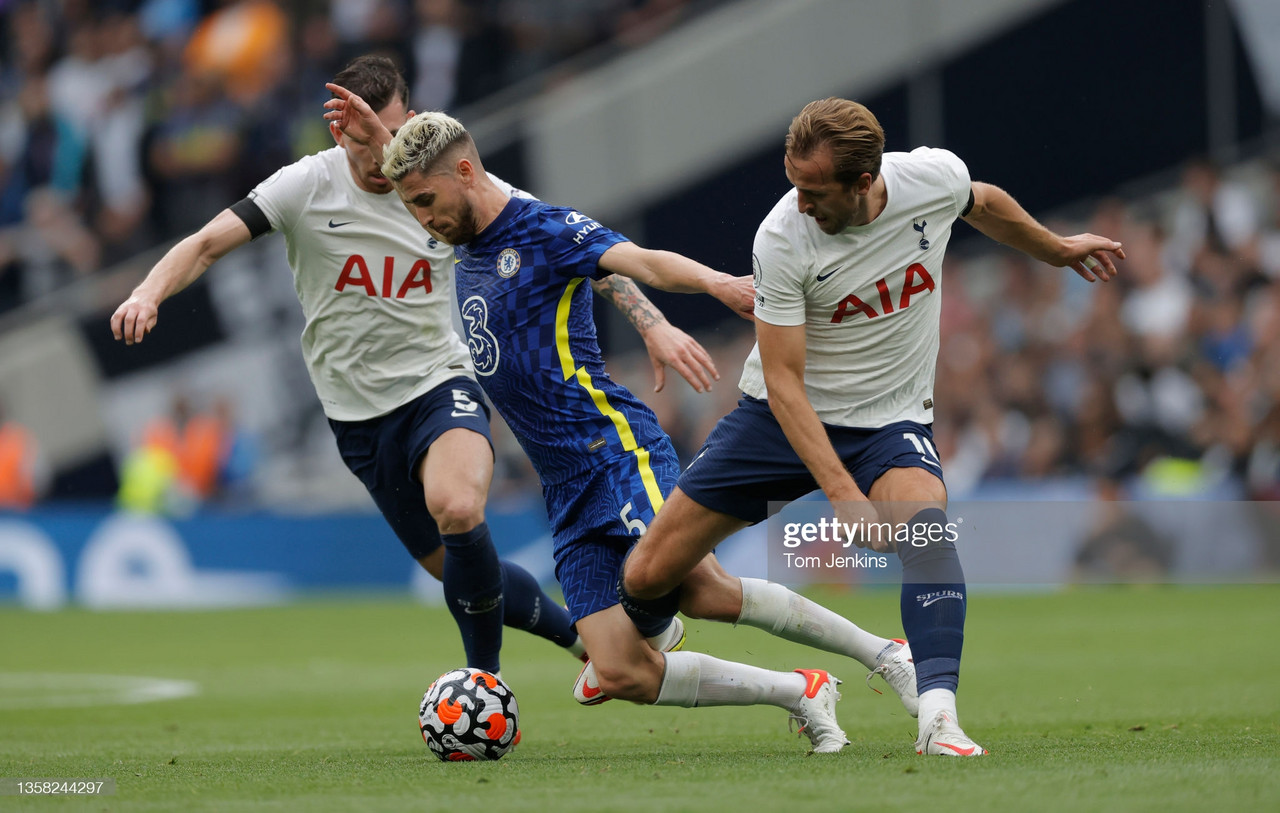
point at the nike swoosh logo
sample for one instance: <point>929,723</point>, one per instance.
<point>814,678</point>
<point>457,414</point>
<point>333,225</point>
<point>815,681</point>
<point>936,599</point>
<point>827,275</point>
<point>696,459</point>
<point>964,752</point>
<point>589,691</point>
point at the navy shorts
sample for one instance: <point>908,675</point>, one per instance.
<point>596,518</point>
<point>747,461</point>
<point>384,453</point>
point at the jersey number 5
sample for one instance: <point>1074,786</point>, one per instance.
<point>634,524</point>
<point>463,406</point>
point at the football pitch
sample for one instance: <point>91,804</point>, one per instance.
<point>1155,699</point>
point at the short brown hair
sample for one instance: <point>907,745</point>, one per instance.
<point>848,128</point>
<point>376,79</point>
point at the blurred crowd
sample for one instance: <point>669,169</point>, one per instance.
<point>1170,373</point>
<point>126,123</point>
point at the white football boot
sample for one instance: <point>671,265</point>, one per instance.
<point>586,689</point>
<point>816,712</point>
<point>943,737</point>
<point>896,666</point>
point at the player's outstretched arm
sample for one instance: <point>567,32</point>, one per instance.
<point>782,359</point>
<point>997,215</point>
<point>356,119</point>
<point>668,345</point>
<point>668,271</point>
<point>179,267</point>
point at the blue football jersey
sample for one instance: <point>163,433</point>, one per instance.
<point>525,300</point>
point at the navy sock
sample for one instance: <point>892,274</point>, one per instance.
<point>650,615</point>
<point>933,601</point>
<point>526,607</point>
<point>473,591</point>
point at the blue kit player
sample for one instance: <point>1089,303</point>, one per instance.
<point>605,464</point>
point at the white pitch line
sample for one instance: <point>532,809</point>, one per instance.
<point>51,690</point>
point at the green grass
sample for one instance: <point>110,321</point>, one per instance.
<point>1157,699</point>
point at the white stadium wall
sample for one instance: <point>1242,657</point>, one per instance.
<point>694,101</point>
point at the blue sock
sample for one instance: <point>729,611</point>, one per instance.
<point>473,591</point>
<point>526,607</point>
<point>933,602</point>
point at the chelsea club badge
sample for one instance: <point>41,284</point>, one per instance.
<point>508,263</point>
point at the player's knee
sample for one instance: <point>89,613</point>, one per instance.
<point>456,512</point>
<point>644,580</point>
<point>638,682</point>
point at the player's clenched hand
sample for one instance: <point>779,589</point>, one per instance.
<point>738,293</point>
<point>860,514</point>
<point>134,319</point>
<point>354,117</point>
<point>669,346</point>
<point>1090,256</point>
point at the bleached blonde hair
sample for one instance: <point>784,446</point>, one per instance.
<point>420,142</point>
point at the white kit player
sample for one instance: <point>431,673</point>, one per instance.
<point>838,391</point>
<point>394,379</point>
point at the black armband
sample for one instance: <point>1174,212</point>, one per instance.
<point>253,217</point>
<point>968,206</point>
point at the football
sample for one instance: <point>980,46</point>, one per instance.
<point>469,714</point>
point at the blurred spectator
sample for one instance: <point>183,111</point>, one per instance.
<point>1158,304</point>
<point>317,62</point>
<point>49,150</point>
<point>365,26</point>
<point>32,42</point>
<point>23,473</point>
<point>48,249</point>
<point>194,152</point>
<point>149,481</point>
<point>117,132</point>
<point>1212,216</point>
<point>534,35</point>
<point>1269,234</point>
<point>244,44</point>
<point>185,458</point>
<point>437,50</point>
<point>168,19</point>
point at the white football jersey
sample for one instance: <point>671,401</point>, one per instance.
<point>869,297</point>
<point>376,289</point>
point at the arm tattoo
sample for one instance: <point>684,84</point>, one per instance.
<point>626,297</point>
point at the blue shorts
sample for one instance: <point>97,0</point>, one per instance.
<point>595,519</point>
<point>384,452</point>
<point>747,461</point>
